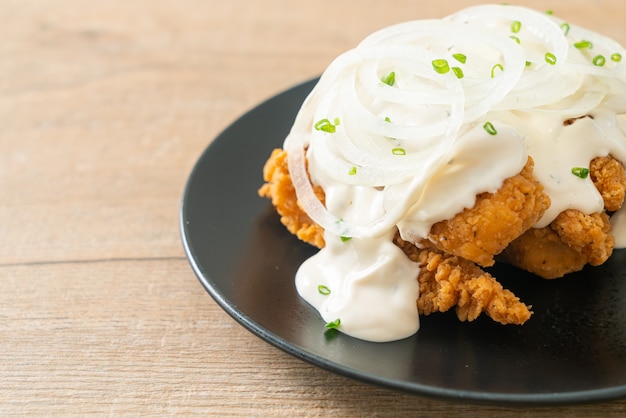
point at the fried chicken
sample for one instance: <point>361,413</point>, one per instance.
<point>484,230</point>
<point>445,280</point>
<point>609,178</point>
<point>280,190</point>
<point>570,242</point>
<point>477,234</point>
<point>573,239</point>
<point>499,224</point>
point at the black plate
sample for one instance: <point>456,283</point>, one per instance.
<point>572,350</point>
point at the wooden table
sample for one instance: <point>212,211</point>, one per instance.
<point>104,109</point>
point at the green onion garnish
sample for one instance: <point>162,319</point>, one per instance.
<point>441,66</point>
<point>457,72</point>
<point>491,130</point>
<point>324,290</point>
<point>333,324</point>
<point>398,151</point>
<point>549,12</point>
<point>493,69</point>
<point>389,79</point>
<point>598,60</point>
<point>528,63</point>
<point>516,26</point>
<point>352,171</point>
<point>326,126</point>
<point>580,172</point>
<point>387,119</point>
<point>583,44</point>
<point>565,28</point>
<point>616,57</point>
<point>460,58</point>
<point>516,39</point>
<point>344,239</point>
<point>550,58</point>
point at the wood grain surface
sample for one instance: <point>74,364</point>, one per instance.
<point>104,108</point>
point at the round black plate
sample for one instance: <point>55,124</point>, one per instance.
<point>572,350</point>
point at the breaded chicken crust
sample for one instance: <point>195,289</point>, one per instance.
<point>607,174</point>
<point>279,189</point>
<point>481,232</point>
<point>570,242</point>
<point>573,239</point>
<point>445,281</point>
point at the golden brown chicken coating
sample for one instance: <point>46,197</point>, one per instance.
<point>445,280</point>
<point>570,242</point>
<point>483,231</point>
<point>280,190</point>
<point>609,178</point>
<point>573,239</point>
<point>477,234</point>
<point>541,251</point>
<point>588,235</point>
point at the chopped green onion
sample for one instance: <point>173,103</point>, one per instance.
<point>516,39</point>
<point>550,58</point>
<point>491,130</point>
<point>457,72</point>
<point>580,172</point>
<point>333,324</point>
<point>389,79</point>
<point>324,290</point>
<point>344,239</point>
<point>598,60</point>
<point>549,12</point>
<point>326,126</point>
<point>516,26</point>
<point>398,151</point>
<point>583,44</point>
<point>337,121</point>
<point>387,119</point>
<point>460,58</point>
<point>352,171</point>
<point>616,57</point>
<point>493,69</point>
<point>441,66</point>
<point>565,28</point>
<point>528,63</point>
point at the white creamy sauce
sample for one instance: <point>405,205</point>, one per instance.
<point>479,164</point>
<point>405,154</point>
<point>556,149</point>
<point>372,286</point>
<point>370,282</point>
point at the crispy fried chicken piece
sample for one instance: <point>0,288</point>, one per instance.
<point>483,231</point>
<point>280,190</point>
<point>573,239</point>
<point>608,176</point>
<point>446,281</point>
<point>570,242</point>
<point>541,251</point>
<point>589,235</point>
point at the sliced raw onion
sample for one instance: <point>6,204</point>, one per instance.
<point>395,136</point>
